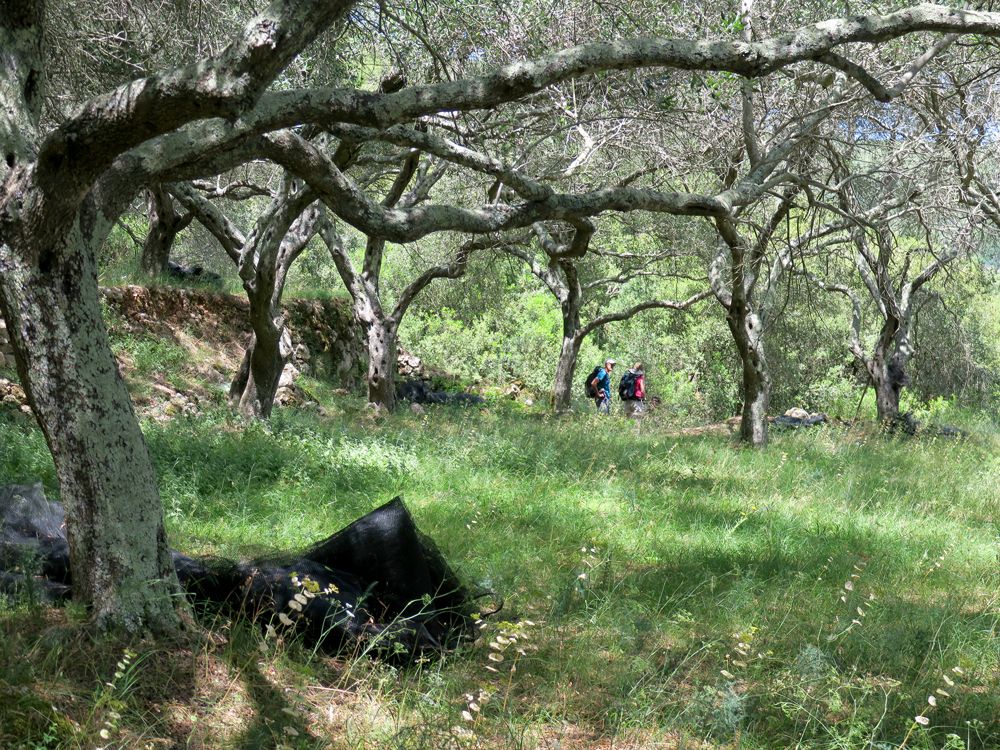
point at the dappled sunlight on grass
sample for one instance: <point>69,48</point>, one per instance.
<point>855,568</point>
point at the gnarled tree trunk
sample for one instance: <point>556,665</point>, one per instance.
<point>570,302</point>
<point>746,329</point>
<point>380,335</point>
<point>562,391</point>
<point>60,193</point>
<point>164,225</point>
<point>887,369</point>
<point>256,382</point>
<point>121,565</point>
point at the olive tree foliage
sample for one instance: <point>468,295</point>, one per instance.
<point>740,139</point>
<point>263,257</point>
<point>378,318</point>
<point>775,144</point>
<point>94,45</point>
<point>63,188</point>
<point>924,163</point>
<point>66,180</point>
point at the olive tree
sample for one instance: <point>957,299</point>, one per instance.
<point>64,181</point>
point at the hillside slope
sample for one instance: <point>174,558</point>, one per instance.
<point>180,347</point>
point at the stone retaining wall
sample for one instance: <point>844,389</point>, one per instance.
<point>6,350</point>
<point>328,343</point>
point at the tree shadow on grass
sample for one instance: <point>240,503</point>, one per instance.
<point>276,720</point>
<point>58,683</point>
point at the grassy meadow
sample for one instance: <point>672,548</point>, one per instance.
<point>666,590</point>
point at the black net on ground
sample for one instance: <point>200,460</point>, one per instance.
<point>421,392</point>
<point>790,422</point>
<point>377,585</point>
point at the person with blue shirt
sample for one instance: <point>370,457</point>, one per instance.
<point>602,385</point>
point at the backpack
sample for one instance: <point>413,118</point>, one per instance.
<point>588,387</point>
<point>626,388</point>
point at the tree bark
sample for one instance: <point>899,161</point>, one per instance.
<point>746,329</point>
<point>562,390</point>
<point>256,382</point>
<point>380,335</point>
<point>887,368</point>
<point>58,201</point>
<point>886,395</point>
<point>164,225</point>
<point>119,558</point>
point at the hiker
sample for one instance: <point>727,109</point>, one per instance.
<point>601,386</point>
<point>632,391</point>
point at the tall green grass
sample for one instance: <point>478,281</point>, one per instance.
<point>682,591</point>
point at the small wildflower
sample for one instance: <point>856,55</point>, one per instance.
<point>293,604</point>
<point>284,619</point>
<point>943,693</point>
<point>728,675</point>
<point>948,681</point>
<point>849,586</point>
<point>932,700</point>
<point>493,656</point>
<point>922,720</point>
<point>467,716</point>
<point>957,670</point>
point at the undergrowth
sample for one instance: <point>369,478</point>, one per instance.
<point>838,590</point>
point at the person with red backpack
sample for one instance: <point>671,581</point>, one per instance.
<point>632,391</point>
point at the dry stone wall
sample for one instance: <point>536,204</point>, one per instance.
<point>11,394</point>
<point>6,350</point>
<point>328,342</point>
